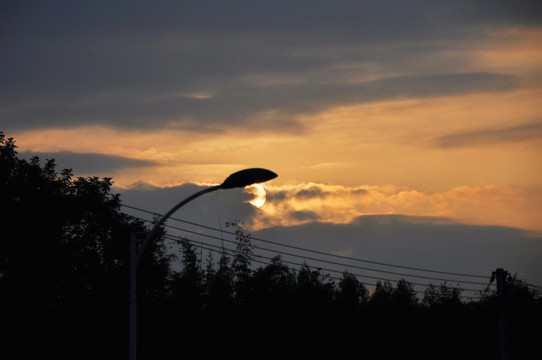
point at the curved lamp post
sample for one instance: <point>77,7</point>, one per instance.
<point>239,179</point>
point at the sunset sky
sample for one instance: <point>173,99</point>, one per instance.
<point>424,109</point>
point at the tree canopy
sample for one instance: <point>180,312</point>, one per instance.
<point>63,260</point>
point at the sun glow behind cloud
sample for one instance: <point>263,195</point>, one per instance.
<point>489,205</point>
<point>259,195</point>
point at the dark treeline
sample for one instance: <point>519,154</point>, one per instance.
<point>64,255</point>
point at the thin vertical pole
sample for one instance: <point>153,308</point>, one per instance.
<point>133,297</point>
<point>501,310</point>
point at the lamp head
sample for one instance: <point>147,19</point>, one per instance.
<point>247,177</point>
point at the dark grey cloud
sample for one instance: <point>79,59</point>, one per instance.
<point>491,136</point>
<point>241,16</point>
<point>311,192</point>
<point>308,193</point>
<point>213,209</point>
<point>304,215</point>
<point>89,163</point>
<point>277,195</point>
<point>241,106</point>
<point>138,64</point>
<point>422,242</point>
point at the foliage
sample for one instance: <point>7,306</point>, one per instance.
<point>63,260</point>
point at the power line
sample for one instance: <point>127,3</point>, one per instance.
<point>192,241</point>
<point>319,252</point>
<point>324,261</point>
<point>536,287</point>
<point>332,262</point>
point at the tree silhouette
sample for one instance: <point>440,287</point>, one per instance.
<point>350,295</point>
<point>63,261</point>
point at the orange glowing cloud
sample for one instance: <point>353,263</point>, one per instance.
<point>488,205</point>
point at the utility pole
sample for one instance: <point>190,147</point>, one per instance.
<point>133,297</point>
<point>500,276</point>
<point>135,247</point>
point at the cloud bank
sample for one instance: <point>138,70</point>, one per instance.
<point>491,136</point>
<point>205,68</point>
<point>293,205</point>
<point>89,163</point>
<point>489,205</point>
<point>425,242</point>
<point>432,242</point>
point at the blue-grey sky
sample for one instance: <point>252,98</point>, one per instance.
<point>207,66</point>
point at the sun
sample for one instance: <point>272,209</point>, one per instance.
<point>259,195</point>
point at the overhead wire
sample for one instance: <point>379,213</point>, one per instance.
<point>218,249</point>
<point>256,259</point>
<point>330,262</point>
<point>321,260</point>
<point>316,251</point>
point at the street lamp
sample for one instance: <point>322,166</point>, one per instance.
<point>239,179</point>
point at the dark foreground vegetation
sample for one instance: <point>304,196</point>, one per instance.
<point>64,252</point>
